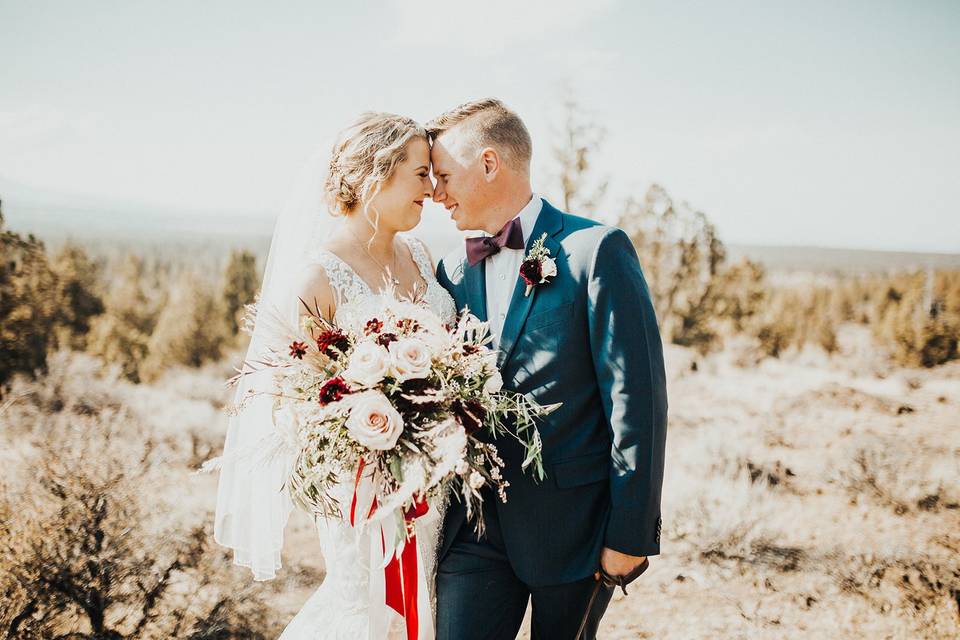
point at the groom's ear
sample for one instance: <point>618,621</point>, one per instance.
<point>490,160</point>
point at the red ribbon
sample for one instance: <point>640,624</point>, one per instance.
<point>400,575</point>
<point>356,485</point>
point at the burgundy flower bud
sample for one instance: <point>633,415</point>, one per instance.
<point>531,272</point>
<point>298,349</point>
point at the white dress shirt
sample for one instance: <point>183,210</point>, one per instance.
<point>503,271</point>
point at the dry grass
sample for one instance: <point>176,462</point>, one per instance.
<point>96,539</point>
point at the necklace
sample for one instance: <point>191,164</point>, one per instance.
<point>386,270</point>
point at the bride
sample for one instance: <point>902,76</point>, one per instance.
<point>373,187</point>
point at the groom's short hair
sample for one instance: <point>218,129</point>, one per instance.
<point>490,123</point>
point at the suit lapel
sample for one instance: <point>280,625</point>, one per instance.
<point>550,222</point>
<point>476,288</point>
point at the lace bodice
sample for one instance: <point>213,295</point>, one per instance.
<point>351,289</point>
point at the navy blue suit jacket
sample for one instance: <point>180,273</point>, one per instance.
<point>588,339</point>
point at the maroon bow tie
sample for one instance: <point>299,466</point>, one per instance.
<point>510,236</point>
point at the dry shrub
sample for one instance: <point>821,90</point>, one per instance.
<point>928,590</point>
<point>871,474</point>
<point>578,138</point>
<point>27,310</point>
<point>120,335</point>
<point>918,316</point>
<point>914,316</point>
<point>793,317</point>
<point>241,279</point>
<point>183,321</point>
<point>743,294</point>
<point>681,255</point>
<point>78,295</point>
<point>903,480</point>
<point>88,549</point>
<point>190,329</point>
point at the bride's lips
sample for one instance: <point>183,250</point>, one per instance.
<point>419,203</point>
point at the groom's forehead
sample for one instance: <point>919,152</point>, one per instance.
<point>447,149</point>
<point>439,152</point>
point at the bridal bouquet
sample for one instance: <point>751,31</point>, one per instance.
<point>398,404</point>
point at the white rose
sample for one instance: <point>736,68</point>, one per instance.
<point>373,421</point>
<point>438,340</point>
<point>548,269</point>
<point>431,329</point>
<point>369,363</point>
<point>409,358</point>
<point>494,383</point>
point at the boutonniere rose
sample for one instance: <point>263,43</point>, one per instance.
<point>537,267</point>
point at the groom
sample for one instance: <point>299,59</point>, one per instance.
<point>587,337</point>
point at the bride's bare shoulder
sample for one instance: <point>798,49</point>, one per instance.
<point>313,288</point>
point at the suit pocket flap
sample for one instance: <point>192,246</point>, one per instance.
<point>583,470</point>
<point>560,313</point>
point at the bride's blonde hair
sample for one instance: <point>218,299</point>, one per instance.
<point>364,157</point>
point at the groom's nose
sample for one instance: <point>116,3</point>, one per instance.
<point>439,194</point>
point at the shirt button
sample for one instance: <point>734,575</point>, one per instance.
<point>503,315</point>
<point>502,276</point>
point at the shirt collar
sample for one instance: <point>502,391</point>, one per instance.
<point>528,216</point>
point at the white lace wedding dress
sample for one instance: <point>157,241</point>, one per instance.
<point>339,609</point>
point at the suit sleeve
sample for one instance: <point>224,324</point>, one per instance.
<point>628,361</point>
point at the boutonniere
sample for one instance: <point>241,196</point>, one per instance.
<point>537,267</point>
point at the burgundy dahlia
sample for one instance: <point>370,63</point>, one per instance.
<point>333,390</point>
<point>332,341</point>
<point>384,339</point>
<point>373,326</point>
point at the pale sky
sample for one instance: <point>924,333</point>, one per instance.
<point>815,123</point>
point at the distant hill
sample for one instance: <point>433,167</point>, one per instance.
<point>109,227</point>
<point>836,260</point>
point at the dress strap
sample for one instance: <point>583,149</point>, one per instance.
<point>419,253</point>
<point>347,285</point>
